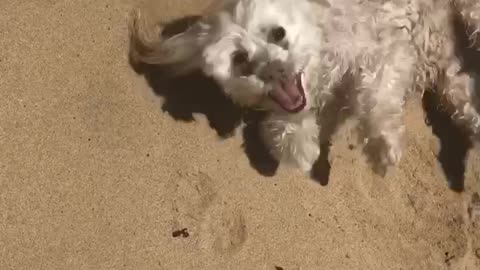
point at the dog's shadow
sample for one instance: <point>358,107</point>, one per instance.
<point>194,93</point>
<point>186,95</point>
<point>454,142</point>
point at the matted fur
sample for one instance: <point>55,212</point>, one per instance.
<point>360,59</point>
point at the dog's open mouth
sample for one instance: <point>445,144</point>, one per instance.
<point>290,93</point>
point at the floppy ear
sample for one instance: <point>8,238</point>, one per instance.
<point>177,43</point>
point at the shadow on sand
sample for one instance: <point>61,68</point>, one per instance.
<point>454,143</point>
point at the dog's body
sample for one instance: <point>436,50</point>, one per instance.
<point>313,64</point>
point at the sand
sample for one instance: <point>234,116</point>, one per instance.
<point>98,172</point>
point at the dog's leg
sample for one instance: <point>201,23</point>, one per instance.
<point>381,101</point>
<point>469,13</point>
<point>292,139</point>
<point>334,114</point>
<point>458,98</point>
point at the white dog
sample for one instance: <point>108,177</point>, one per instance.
<point>313,64</point>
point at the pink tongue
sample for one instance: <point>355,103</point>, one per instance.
<point>287,95</point>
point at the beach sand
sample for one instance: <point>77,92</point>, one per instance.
<point>100,171</point>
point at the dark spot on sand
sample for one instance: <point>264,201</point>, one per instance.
<point>183,233</point>
<point>448,258</point>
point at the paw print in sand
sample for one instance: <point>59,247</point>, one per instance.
<point>223,229</point>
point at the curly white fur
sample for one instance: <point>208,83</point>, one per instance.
<point>358,58</point>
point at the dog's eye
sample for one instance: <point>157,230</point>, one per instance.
<point>278,34</point>
<point>239,57</point>
<point>242,64</point>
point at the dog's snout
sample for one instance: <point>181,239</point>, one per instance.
<point>272,71</point>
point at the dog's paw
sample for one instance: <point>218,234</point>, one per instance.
<point>393,155</point>
<point>292,141</point>
<point>382,154</point>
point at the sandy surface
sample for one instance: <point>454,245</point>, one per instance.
<point>94,174</point>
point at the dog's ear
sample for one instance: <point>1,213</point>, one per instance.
<point>178,43</point>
